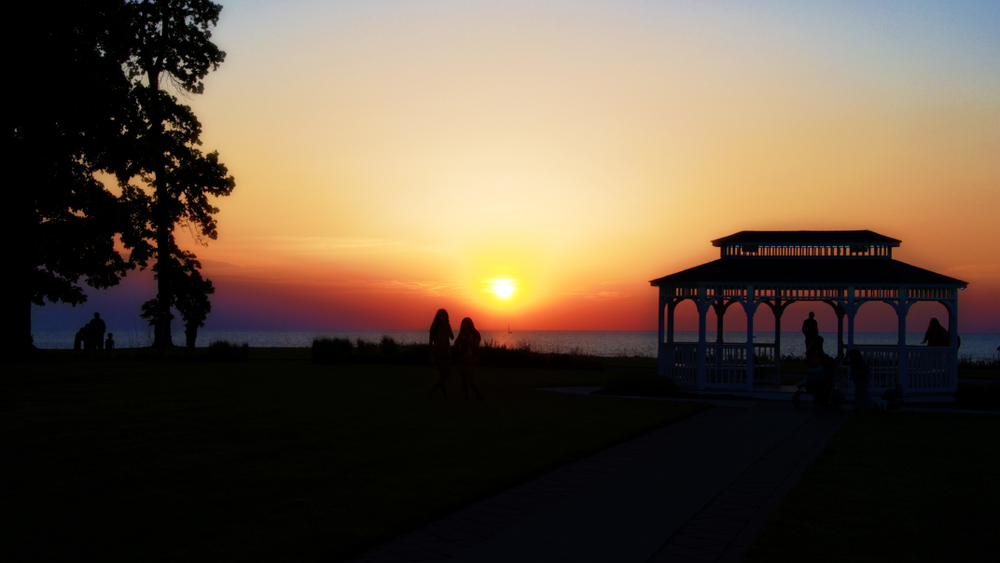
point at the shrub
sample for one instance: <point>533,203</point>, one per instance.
<point>331,350</point>
<point>225,351</point>
<point>969,362</point>
<point>388,346</point>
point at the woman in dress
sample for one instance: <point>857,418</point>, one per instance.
<point>467,351</point>
<point>441,336</point>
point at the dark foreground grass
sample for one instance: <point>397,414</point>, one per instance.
<point>274,459</point>
<point>897,487</point>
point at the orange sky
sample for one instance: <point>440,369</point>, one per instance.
<point>391,157</point>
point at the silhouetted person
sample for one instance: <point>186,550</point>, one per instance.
<point>810,327</point>
<point>467,351</point>
<point>817,384</point>
<point>441,336</point>
<point>97,325</point>
<point>91,336</point>
<point>109,344</point>
<point>79,338</point>
<point>861,377</point>
<point>936,335</point>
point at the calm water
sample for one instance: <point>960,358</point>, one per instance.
<point>595,342</point>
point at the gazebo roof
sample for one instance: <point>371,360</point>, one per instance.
<point>809,238</point>
<point>785,271</point>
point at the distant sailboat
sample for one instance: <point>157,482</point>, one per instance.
<point>508,329</point>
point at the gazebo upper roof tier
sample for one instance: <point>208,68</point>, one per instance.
<point>790,272</point>
<point>806,244</point>
<point>806,238</point>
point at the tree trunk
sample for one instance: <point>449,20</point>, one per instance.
<point>164,295</point>
<point>17,337</point>
<point>16,309</point>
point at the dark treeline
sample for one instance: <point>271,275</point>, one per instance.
<point>94,91</point>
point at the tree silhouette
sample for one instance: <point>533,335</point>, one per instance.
<point>171,47</point>
<point>70,104</point>
<point>190,293</point>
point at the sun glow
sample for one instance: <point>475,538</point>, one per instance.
<point>502,288</point>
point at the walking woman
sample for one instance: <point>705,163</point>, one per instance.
<point>440,341</point>
<point>467,350</point>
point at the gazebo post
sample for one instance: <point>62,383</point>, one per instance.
<point>952,306</point>
<point>661,359</point>
<point>852,309</point>
<point>840,329</point>
<point>750,306</point>
<point>778,310</point>
<point>671,307</point>
<point>720,314</point>
<point>903,362</point>
<point>702,302</point>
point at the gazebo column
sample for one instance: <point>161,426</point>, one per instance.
<point>840,330</point>
<point>852,309</point>
<point>671,307</point>
<point>952,306</point>
<point>903,362</point>
<point>778,308</point>
<point>703,305</point>
<point>839,310</point>
<point>667,355</point>
<point>720,315</point>
<point>661,360</point>
<point>750,306</point>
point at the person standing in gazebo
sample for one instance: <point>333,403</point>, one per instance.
<point>861,377</point>
<point>817,383</point>
<point>810,328</point>
<point>936,335</point>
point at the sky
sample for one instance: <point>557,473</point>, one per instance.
<point>393,158</point>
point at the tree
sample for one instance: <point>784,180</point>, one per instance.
<point>190,293</point>
<point>70,108</point>
<point>171,46</point>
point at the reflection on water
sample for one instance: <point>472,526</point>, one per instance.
<point>594,342</point>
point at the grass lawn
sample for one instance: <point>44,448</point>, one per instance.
<point>896,487</point>
<point>992,374</point>
<point>274,458</point>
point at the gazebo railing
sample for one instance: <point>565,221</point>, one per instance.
<point>725,364</point>
<point>930,370</point>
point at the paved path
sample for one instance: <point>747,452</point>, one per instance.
<point>697,490</point>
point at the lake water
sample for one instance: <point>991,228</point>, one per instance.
<point>595,342</point>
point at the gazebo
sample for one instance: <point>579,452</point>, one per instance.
<point>844,269</point>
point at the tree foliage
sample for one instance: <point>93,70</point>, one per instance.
<point>95,90</point>
<point>190,294</point>
<point>171,49</point>
<point>70,103</point>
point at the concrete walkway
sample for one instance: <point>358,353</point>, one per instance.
<point>697,490</point>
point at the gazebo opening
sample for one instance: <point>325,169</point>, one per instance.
<point>768,271</point>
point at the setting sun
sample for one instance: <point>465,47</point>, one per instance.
<point>502,288</point>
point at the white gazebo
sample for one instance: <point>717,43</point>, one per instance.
<point>844,269</point>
